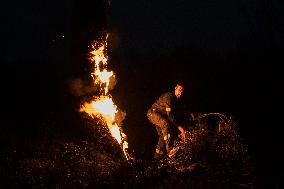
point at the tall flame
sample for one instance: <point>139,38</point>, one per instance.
<point>103,106</point>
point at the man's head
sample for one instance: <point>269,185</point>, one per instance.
<point>178,90</point>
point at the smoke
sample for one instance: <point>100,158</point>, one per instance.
<point>119,117</point>
<point>78,87</point>
<point>112,82</point>
<point>113,39</point>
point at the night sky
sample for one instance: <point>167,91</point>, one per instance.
<point>228,52</point>
<point>222,25</point>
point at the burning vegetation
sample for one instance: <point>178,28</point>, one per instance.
<point>213,153</point>
<point>102,106</point>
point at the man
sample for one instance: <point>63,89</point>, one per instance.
<point>162,116</point>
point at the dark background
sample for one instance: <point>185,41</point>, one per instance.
<point>229,53</point>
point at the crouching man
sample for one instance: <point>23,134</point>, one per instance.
<point>162,116</point>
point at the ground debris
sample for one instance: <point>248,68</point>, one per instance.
<point>211,157</point>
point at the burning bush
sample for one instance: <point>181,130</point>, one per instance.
<point>77,164</point>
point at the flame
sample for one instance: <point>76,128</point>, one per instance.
<point>116,133</point>
<point>103,106</point>
<point>100,60</point>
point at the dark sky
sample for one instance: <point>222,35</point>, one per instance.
<point>202,24</point>
<point>28,29</point>
<point>145,25</point>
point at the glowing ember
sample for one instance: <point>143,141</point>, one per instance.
<point>103,107</point>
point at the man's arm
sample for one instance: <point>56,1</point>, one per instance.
<point>180,128</point>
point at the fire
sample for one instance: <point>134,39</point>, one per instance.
<point>103,106</point>
<point>116,133</point>
<point>100,60</point>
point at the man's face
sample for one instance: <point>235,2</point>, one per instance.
<point>178,91</point>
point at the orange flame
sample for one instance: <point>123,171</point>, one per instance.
<point>100,60</point>
<point>103,106</point>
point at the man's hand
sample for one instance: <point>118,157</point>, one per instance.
<point>182,134</point>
